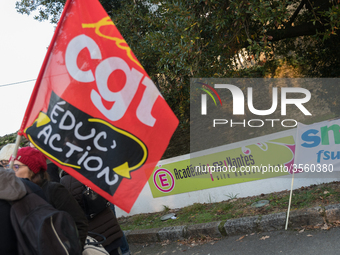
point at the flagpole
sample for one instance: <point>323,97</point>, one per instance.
<point>41,73</point>
<point>290,200</point>
<point>14,154</point>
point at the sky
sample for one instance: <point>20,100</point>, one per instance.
<point>23,46</point>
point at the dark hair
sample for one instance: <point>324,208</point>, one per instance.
<point>40,178</point>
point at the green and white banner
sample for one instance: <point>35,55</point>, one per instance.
<point>317,147</point>
<point>264,157</point>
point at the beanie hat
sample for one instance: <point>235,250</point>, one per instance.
<point>32,158</point>
<point>7,151</point>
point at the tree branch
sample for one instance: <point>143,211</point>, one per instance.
<point>290,22</point>
<point>290,32</point>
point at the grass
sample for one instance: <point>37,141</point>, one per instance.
<point>315,195</point>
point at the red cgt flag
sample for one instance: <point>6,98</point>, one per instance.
<point>94,110</point>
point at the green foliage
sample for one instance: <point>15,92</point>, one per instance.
<point>51,10</point>
<point>7,139</point>
<point>41,9</point>
<point>166,208</point>
<point>232,195</point>
<point>195,208</point>
<point>179,40</point>
<point>305,197</point>
<point>222,207</point>
<point>11,138</point>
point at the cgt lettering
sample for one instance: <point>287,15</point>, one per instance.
<point>123,98</point>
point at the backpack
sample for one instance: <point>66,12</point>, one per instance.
<point>41,229</point>
<point>94,247</point>
<point>93,203</point>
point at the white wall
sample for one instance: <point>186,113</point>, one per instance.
<point>147,204</point>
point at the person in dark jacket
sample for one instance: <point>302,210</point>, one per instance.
<point>104,223</point>
<point>53,172</point>
<point>124,248</point>
<point>11,189</point>
<point>31,163</point>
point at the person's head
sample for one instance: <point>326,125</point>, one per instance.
<point>6,153</point>
<point>30,163</point>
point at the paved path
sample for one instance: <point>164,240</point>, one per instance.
<point>324,242</point>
